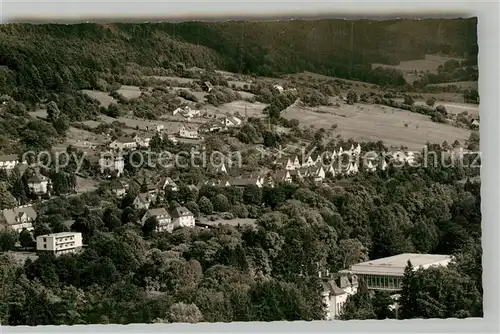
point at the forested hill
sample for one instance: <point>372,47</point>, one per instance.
<point>54,56</point>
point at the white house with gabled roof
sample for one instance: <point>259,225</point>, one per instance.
<point>182,217</point>
<point>19,218</point>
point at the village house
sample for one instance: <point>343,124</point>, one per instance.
<point>112,163</point>
<point>143,201</point>
<point>189,132</point>
<point>384,165</point>
<point>172,138</point>
<point>352,168</point>
<point>278,88</point>
<point>370,167</point>
<point>123,144</point>
<point>292,164</point>
<point>119,188</point>
<point>318,173</point>
<point>159,128</point>
<point>182,217</point>
<point>357,150</point>
<point>212,126</point>
<point>289,165</point>
<point>59,243</point>
<point>224,182</point>
<point>312,160</point>
<point>8,162</point>
<point>296,175</point>
<point>283,176</point>
<point>330,170</point>
<point>167,183</point>
<point>219,168</point>
<point>186,112</point>
<point>19,218</point>
<point>207,86</point>
<point>38,184</point>
<point>335,293</point>
<point>246,181</point>
<point>162,217</point>
<point>142,141</point>
<point>231,121</point>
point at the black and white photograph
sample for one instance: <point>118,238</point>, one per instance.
<point>247,170</point>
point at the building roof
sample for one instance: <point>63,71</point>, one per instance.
<point>9,157</point>
<point>181,212</point>
<point>331,286</point>
<point>158,212</point>
<point>117,185</point>
<point>395,265</point>
<point>125,140</point>
<point>60,234</point>
<point>144,197</point>
<point>244,181</point>
<point>166,181</point>
<point>10,215</point>
<point>37,178</point>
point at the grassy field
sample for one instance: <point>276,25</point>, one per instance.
<point>148,125</point>
<point>245,95</point>
<point>430,63</point>
<point>78,137</point>
<point>452,107</point>
<point>461,84</point>
<point>41,113</point>
<point>130,92</point>
<point>85,185</point>
<point>104,99</point>
<point>374,122</point>
<point>252,109</point>
<point>175,79</point>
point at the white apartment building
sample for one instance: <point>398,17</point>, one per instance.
<point>59,243</point>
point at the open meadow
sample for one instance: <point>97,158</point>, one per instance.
<point>430,63</point>
<point>104,99</point>
<point>239,107</point>
<point>394,127</point>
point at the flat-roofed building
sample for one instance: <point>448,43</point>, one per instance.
<point>59,243</point>
<point>387,273</point>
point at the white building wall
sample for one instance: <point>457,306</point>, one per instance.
<point>60,243</point>
<point>187,221</point>
<point>38,187</point>
<point>25,225</point>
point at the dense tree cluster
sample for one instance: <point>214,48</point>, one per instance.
<point>65,58</point>
<point>128,273</point>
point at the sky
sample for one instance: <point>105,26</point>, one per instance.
<point>69,11</point>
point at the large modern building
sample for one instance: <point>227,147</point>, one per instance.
<point>387,273</point>
<point>59,243</point>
